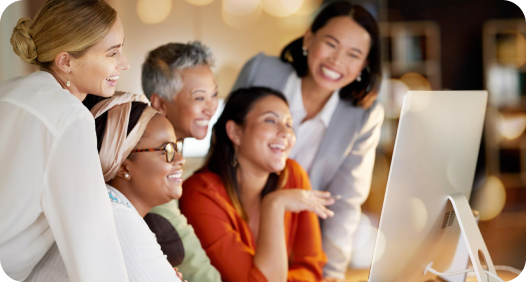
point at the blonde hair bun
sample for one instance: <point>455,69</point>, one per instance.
<point>22,41</point>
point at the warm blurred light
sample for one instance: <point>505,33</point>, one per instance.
<point>309,7</point>
<point>200,2</point>
<point>511,49</point>
<point>153,11</point>
<point>281,8</point>
<point>512,126</point>
<point>240,7</point>
<point>241,21</point>
<point>363,243</point>
<point>415,81</point>
<point>418,105</point>
<point>396,90</point>
<point>379,246</point>
<point>418,214</point>
<point>489,199</point>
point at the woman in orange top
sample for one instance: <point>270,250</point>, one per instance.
<point>248,194</point>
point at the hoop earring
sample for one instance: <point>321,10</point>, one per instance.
<point>359,78</point>
<point>305,53</point>
<point>68,83</point>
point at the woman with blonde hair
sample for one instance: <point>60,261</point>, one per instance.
<point>52,188</point>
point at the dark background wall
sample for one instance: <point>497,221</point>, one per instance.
<point>461,24</point>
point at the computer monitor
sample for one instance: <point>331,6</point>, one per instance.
<point>429,183</point>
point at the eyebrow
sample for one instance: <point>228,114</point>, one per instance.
<point>270,112</point>
<point>116,46</point>
<point>201,90</point>
<point>337,41</point>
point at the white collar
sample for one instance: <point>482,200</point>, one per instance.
<point>295,99</point>
<point>117,197</point>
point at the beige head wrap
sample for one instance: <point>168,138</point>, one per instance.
<point>116,146</point>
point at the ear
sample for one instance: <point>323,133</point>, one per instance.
<point>63,61</point>
<point>124,171</point>
<point>233,131</point>
<point>307,38</point>
<point>158,103</point>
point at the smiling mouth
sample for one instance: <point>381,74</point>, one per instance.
<point>277,148</point>
<point>202,122</point>
<point>177,176</point>
<point>330,73</point>
<point>112,78</point>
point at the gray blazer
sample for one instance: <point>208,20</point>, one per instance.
<point>342,165</point>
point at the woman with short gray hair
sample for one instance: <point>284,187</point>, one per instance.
<point>177,79</point>
<point>181,86</point>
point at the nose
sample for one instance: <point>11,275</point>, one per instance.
<point>178,160</point>
<point>123,63</point>
<point>211,107</point>
<point>285,131</point>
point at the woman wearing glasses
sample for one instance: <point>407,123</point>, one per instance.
<point>142,166</point>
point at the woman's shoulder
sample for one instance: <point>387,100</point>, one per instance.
<point>40,95</point>
<point>297,176</point>
<point>204,181</point>
<point>265,63</point>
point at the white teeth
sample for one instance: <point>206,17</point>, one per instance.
<point>277,146</point>
<point>331,74</point>
<point>111,78</point>
<point>176,175</point>
<point>202,122</point>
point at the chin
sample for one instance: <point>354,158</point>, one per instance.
<point>199,135</point>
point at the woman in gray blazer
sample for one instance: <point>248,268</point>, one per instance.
<point>331,77</point>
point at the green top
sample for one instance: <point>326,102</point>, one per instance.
<point>195,265</point>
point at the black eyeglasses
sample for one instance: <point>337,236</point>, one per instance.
<point>169,149</point>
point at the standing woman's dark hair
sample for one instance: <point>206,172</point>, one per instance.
<point>222,153</point>
<point>360,93</point>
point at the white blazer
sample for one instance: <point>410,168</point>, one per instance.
<point>342,165</point>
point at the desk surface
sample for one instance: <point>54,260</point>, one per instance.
<point>361,275</point>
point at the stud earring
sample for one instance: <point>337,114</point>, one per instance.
<point>126,176</point>
<point>359,78</point>
<point>305,53</point>
<point>68,83</point>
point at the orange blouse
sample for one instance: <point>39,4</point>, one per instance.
<point>228,240</point>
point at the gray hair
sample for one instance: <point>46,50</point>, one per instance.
<point>161,72</point>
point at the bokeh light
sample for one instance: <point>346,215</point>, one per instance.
<point>512,126</point>
<point>241,21</point>
<point>418,214</point>
<point>489,199</point>
<point>415,81</point>
<point>511,48</point>
<point>396,91</point>
<point>153,11</point>
<point>240,8</point>
<point>281,8</point>
<point>309,7</point>
<point>200,2</point>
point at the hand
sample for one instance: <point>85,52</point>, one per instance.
<point>179,274</point>
<point>298,200</point>
<point>332,279</point>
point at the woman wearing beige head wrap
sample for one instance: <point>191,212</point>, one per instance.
<point>142,166</point>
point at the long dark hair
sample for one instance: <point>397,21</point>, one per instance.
<point>359,93</point>
<point>219,160</point>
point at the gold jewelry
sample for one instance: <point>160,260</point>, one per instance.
<point>68,83</point>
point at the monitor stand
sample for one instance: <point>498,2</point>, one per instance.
<point>472,237</point>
